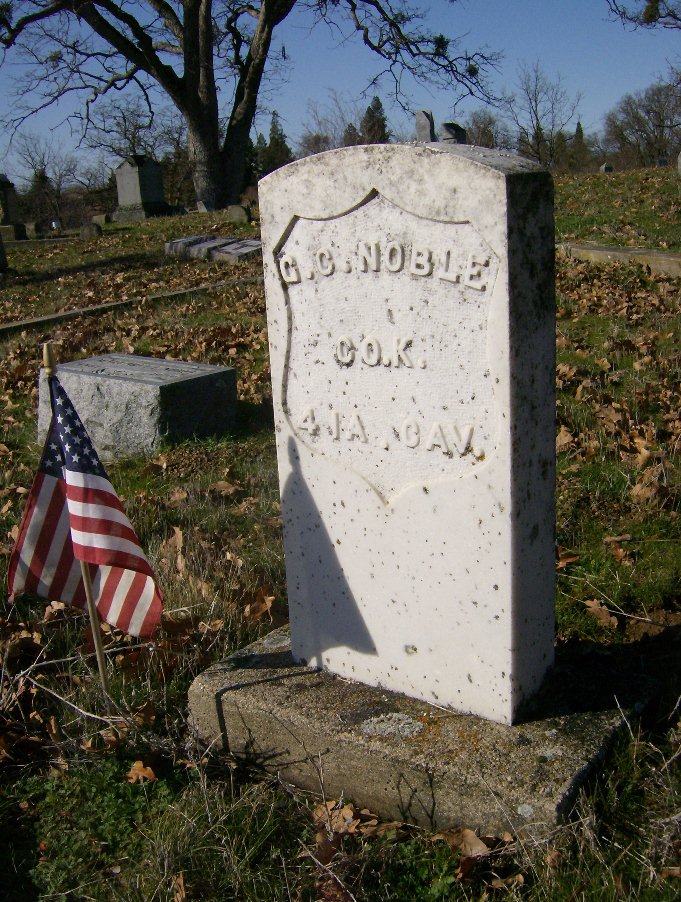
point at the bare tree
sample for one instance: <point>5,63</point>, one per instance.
<point>646,126</point>
<point>200,50</point>
<point>327,124</point>
<point>648,13</point>
<point>487,129</point>
<point>51,173</point>
<point>124,127</point>
<point>540,110</point>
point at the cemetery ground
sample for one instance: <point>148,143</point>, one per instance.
<point>129,807</point>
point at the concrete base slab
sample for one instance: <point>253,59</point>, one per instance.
<point>408,760</point>
<point>659,261</point>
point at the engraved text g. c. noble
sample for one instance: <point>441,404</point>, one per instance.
<point>387,367</point>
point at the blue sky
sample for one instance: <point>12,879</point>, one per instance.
<point>575,39</point>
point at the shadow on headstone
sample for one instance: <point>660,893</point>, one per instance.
<point>327,605</point>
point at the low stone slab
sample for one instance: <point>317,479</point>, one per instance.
<point>208,247</point>
<point>179,246</point>
<point>408,760</point>
<point>661,262</point>
<point>204,250</point>
<point>238,251</point>
<point>15,231</point>
<point>130,404</point>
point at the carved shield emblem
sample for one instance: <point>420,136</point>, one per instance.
<point>387,369</point>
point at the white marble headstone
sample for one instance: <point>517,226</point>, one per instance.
<point>411,322</point>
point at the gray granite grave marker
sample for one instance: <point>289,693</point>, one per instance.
<point>130,404</point>
<point>425,127</point>
<point>139,182</point>
<point>11,228</point>
<point>453,133</point>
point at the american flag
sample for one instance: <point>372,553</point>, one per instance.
<point>73,514</point>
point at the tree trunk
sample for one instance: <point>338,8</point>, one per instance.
<point>208,166</point>
<point>272,12</point>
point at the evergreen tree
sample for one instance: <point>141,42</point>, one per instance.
<point>276,152</point>
<point>351,136</point>
<point>374,125</point>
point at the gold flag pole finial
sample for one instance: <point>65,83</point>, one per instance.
<point>48,359</point>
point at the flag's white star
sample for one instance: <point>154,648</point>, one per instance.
<point>60,401</point>
<point>60,419</point>
<point>67,447</point>
<point>75,458</point>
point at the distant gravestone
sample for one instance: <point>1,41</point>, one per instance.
<point>662,162</point>
<point>238,251</point>
<point>238,213</point>
<point>90,231</point>
<point>102,219</point>
<point>451,132</point>
<point>139,182</point>
<point>412,335</point>
<point>425,127</point>
<point>208,247</point>
<point>131,404</point>
<point>11,228</point>
<point>606,167</point>
<point>9,205</point>
<point>3,257</point>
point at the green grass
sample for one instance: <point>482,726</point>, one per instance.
<point>73,826</point>
<point>640,207</point>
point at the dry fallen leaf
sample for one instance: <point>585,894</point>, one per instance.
<point>564,439</point>
<point>179,892</point>
<point>601,613</point>
<point>565,558</point>
<point>138,773</point>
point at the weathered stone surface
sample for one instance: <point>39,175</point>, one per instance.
<point>130,404</point>
<point>606,167</point>
<point>412,340</point>
<point>9,203</point>
<point>204,250</point>
<point>14,232</point>
<point>453,132</point>
<point>425,127</point>
<point>658,261</point>
<point>101,219</point>
<point>90,231</point>
<point>408,760</point>
<point>238,213</point>
<point>237,251</point>
<point>179,247</point>
<point>222,249</point>
<point>139,182</point>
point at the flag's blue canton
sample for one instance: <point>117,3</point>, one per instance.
<point>68,444</point>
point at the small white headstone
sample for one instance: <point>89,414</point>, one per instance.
<point>411,325</point>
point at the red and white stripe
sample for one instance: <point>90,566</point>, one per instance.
<point>81,519</point>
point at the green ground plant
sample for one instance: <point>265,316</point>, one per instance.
<point>131,807</point>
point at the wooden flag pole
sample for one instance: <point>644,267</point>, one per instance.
<point>49,364</point>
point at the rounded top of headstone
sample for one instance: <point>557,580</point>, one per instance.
<point>379,156</point>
